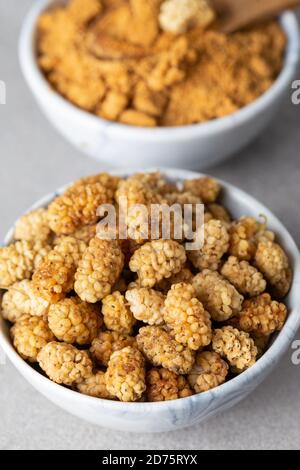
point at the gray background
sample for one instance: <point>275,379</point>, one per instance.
<point>36,160</point>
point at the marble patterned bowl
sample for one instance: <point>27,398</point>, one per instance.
<point>193,147</point>
<point>172,415</point>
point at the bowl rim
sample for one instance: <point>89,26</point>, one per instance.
<point>271,356</point>
<point>41,87</point>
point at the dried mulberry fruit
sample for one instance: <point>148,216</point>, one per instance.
<point>108,342</point>
<point>186,318</point>
<point>208,189</point>
<point>65,364</point>
<point>54,276</point>
<point>236,347</point>
<point>157,260</point>
<point>261,315</point>
<point>33,226</point>
<point>95,386</point>
<point>209,372</point>
<point>117,314</point>
<point>177,16</point>
<point>30,335</point>
<point>78,206</point>
<point>244,236</point>
<point>244,277</point>
<point>146,305</point>
<point>74,321</point>
<point>85,233</point>
<point>125,375</point>
<point>272,261</point>
<point>215,245</point>
<point>109,182</point>
<point>185,275</point>
<point>218,296</point>
<point>71,246</point>
<point>163,351</point>
<point>163,385</point>
<point>21,298</point>
<point>98,270</point>
<point>17,261</point>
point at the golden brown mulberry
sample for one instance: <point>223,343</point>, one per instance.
<point>95,386</point>
<point>219,212</point>
<point>208,189</point>
<point>30,334</point>
<point>186,318</point>
<point>244,236</point>
<point>244,277</point>
<point>209,372</point>
<point>146,305</point>
<point>54,276</point>
<point>125,375</point>
<point>157,260</point>
<point>163,385</point>
<point>21,298</point>
<point>98,270</point>
<point>218,296</point>
<point>74,321</point>
<point>108,181</point>
<point>215,245</point>
<point>78,206</point>
<point>108,342</point>
<point>261,315</point>
<point>18,261</point>
<point>272,261</point>
<point>236,347</point>
<point>70,246</point>
<point>65,364</point>
<point>85,233</point>
<point>185,275</point>
<point>163,351</point>
<point>33,226</point>
<point>117,314</point>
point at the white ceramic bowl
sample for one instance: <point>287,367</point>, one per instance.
<point>192,147</point>
<point>172,415</point>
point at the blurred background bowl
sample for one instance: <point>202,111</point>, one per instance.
<point>172,415</point>
<point>193,147</point>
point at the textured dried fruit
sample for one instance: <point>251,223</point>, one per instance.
<point>17,261</point>
<point>163,385</point>
<point>186,318</point>
<point>33,226</point>
<point>261,315</point>
<point>21,298</point>
<point>65,364</point>
<point>30,334</point>
<point>98,270</point>
<point>218,296</point>
<point>74,321</point>
<point>125,375</point>
<point>215,245</point>
<point>117,314</point>
<point>185,275</point>
<point>157,260</point>
<point>245,234</point>
<point>108,342</point>
<point>272,261</point>
<point>236,347</point>
<point>163,351</point>
<point>146,305</point>
<point>208,372</point>
<point>95,386</point>
<point>244,277</point>
<point>208,189</point>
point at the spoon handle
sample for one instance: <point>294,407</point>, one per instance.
<point>237,14</point>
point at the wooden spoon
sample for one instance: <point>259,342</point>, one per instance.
<point>237,14</point>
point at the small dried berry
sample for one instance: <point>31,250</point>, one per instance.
<point>116,313</point>
<point>208,372</point>
<point>163,385</point>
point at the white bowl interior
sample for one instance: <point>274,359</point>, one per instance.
<point>160,416</point>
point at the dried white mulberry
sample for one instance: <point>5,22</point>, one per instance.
<point>33,226</point>
<point>116,313</point>
<point>108,342</point>
<point>163,385</point>
<point>95,386</point>
<point>244,277</point>
<point>146,305</point>
<point>209,372</point>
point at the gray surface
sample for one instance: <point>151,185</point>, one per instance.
<point>35,160</point>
